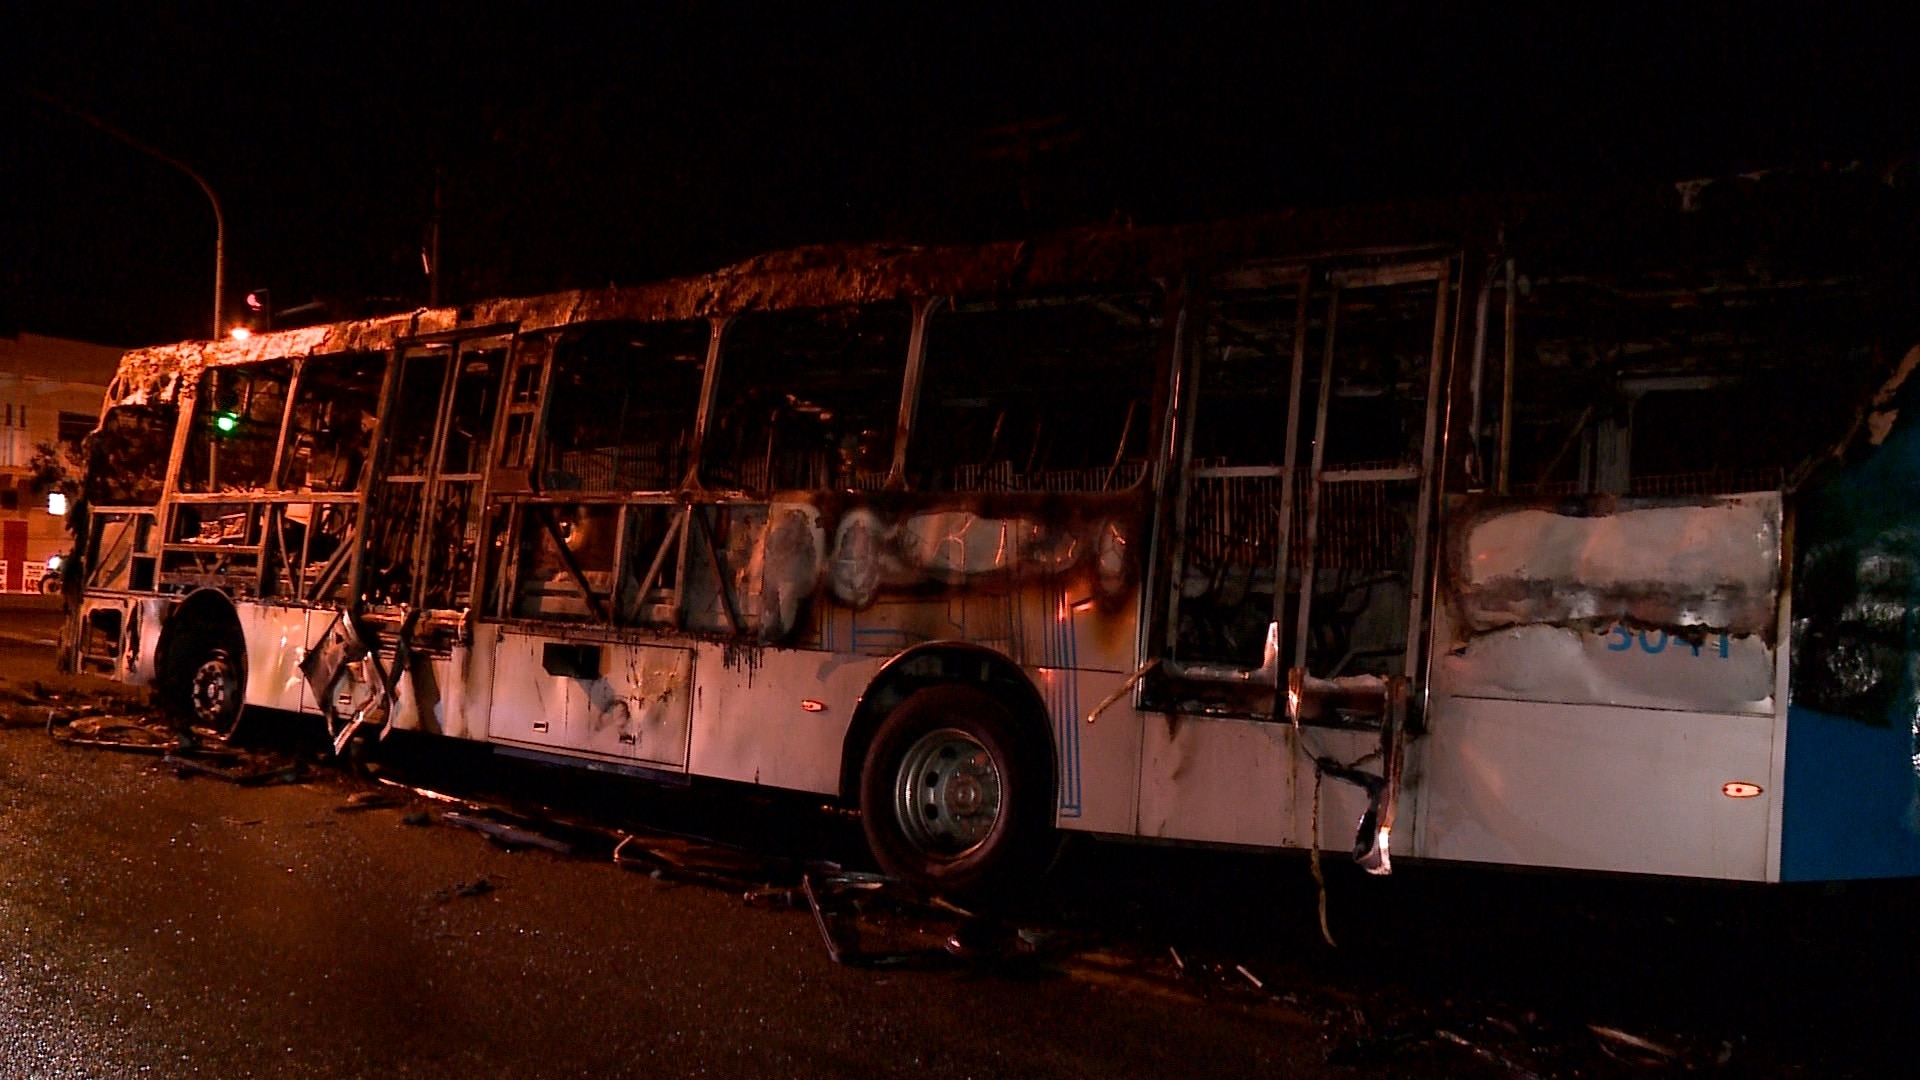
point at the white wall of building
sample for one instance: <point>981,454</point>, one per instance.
<point>40,378</point>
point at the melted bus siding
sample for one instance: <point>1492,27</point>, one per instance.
<point>1169,533</point>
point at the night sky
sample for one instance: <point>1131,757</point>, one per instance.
<point>578,146</point>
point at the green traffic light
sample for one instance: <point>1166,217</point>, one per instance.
<point>226,422</point>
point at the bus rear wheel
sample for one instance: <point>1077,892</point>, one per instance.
<point>956,796</point>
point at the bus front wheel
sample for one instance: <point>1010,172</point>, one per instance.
<point>207,683</point>
<point>956,795</point>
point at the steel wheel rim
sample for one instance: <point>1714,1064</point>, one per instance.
<point>215,684</point>
<point>947,794</point>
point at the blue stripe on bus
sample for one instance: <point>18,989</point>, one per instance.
<point>1070,760</point>
<point>1852,800</point>
<point>1064,701</point>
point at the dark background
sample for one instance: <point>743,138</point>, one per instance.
<point>577,146</point>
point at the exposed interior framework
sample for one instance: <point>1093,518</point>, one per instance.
<point>1563,379</point>
<point>745,454</point>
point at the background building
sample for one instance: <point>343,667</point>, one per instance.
<point>50,395</point>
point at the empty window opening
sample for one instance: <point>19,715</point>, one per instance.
<point>1037,394</point>
<point>624,398</point>
<point>127,457</point>
<point>808,399</point>
<point>334,413</point>
<point>236,428</point>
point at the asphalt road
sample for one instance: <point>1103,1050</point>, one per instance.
<point>29,620</point>
<point>159,925</point>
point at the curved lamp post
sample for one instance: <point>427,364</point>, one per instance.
<point>219,219</point>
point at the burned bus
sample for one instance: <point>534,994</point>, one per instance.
<point>1507,534</point>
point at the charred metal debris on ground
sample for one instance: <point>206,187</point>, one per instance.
<point>871,922</point>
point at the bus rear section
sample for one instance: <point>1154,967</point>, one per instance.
<point>1529,562</point>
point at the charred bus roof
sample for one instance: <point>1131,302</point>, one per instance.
<point>833,275</point>
<point>1725,240</point>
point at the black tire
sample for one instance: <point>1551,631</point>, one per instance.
<point>956,795</point>
<point>207,682</point>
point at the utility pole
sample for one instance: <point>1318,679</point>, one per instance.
<point>433,265</point>
<point>219,219</point>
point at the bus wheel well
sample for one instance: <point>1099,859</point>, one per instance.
<point>202,623</point>
<point>937,665</point>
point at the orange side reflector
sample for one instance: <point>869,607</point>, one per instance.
<point>813,706</point>
<point>1739,789</point>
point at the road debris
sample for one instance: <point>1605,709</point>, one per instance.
<point>1657,1052</point>
<point>774,896</point>
<point>1372,1050</point>
<point>507,836</point>
<point>1487,1055</point>
<point>1369,1050</point>
<point>141,735</point>
<point>872,921</point>
<point>479,886</point>
<point>844,947</point>
<point>425,793</point>
<point>253,771</point>
<point>1530,1048</point>
<point>361,801</point>
<point>695,861</point>
<point>841,933</point>
<point>820,920</point>
<point>977,939</point>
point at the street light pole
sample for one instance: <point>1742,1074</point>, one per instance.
<point>219,219</point>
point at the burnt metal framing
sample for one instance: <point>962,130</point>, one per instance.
<point>433,480</point>
<point>505,501</point>
<point>132,533</point>
<point>1438,272</point>
<point>1299,278</point>
<point>129,521</point>
<point>532,502</point>
<point>923,310</point>
<point>779,282</point>
<point>507,485</point>
<point>691,501</point>
<point>267,510</point>
<point>480,478</point>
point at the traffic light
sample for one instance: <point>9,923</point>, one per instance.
<point>229,406</point>
<point>260,310</point>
